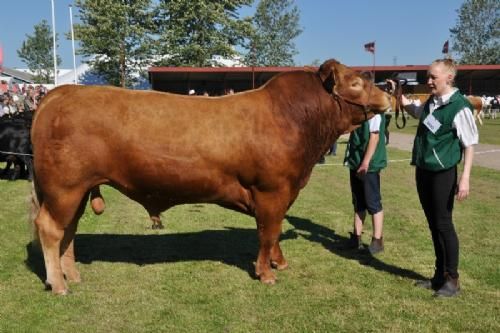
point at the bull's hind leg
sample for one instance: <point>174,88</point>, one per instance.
<point>154,215</point>
<point>156,221</point>
<point>51,234</point>
<point>269,213</point>
<point>67,247</point>
<point>68,264</point>
<point>56,228</point>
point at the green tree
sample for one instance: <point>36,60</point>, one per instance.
<point>191,32</point>
<point>116,36</point>
<point>37,53</point>
<point>276,25</point>
<point>476,35</point>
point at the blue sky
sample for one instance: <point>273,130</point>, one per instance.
<point>405,32</point>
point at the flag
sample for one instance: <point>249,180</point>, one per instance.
<point>445,48</point>
<point>370,47</point>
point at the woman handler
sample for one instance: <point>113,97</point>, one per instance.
<point>446,130</point>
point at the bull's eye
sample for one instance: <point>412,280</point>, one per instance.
<point>357,83</point>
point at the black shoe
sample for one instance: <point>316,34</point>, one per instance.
<point>450,289</point>
<point>376,246</point>
<point>433,284</point>
<point>355,242</point>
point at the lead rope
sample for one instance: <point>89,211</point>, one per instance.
<point>12,153</point>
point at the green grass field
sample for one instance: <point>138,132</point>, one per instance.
<point>196,275</point>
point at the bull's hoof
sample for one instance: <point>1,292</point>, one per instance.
<point>279,266</point>
<point>157,226</point>
<point>267,278</point>
<point>56,291</point>
<point>63,292</point>
<point>73,277</point>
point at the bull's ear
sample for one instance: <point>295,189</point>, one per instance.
<point>324,71</point>
<point>327,75</point>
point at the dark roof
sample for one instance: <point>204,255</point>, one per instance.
<point>215,80</point>
<point>18,75</point>
<point>182,79</point>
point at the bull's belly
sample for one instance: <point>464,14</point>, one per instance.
<point>162,192</point>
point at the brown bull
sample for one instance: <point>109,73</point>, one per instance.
<point>252,152</point>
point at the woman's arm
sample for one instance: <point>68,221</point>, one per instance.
<point>463,184</point>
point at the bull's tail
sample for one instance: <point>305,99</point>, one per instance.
<point>35,203</point>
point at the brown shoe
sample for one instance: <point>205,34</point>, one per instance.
<point>376,246</point>
<point>451,288</point>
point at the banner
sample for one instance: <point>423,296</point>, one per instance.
<point>445,48</point>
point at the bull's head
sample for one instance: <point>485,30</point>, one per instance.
<point>356,89</point>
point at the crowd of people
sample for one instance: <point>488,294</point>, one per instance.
<point>16,99</point>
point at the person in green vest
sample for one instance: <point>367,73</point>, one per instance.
<point>365,156</point>
<point>445,132</point>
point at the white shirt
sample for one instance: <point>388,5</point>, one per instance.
<point>463,122</point>
<point>374,123</point>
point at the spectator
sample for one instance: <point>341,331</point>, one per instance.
<point>30,101</point>
<point>495,106</point>
<point>2,112</point>
<point>4,87</point>
<point>333,149</point>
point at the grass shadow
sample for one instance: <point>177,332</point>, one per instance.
<point>232,246</point>
<point>337,244</point>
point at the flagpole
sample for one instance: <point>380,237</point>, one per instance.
<point>73,42</point>
<point>373,68</point>
<point>370,47</point>
<point>54,42</point>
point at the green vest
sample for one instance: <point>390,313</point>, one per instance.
<point>356,147</point>
<point>441,150</point>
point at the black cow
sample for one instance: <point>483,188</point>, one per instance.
<point>15,144</point>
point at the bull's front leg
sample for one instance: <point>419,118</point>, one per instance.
<point>269,216</point>
<point>278,261</point>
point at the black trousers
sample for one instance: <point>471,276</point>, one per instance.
<point>436,191</point>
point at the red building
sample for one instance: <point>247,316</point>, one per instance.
<point>471,79</point>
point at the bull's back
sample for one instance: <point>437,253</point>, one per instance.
<point>148,138</point>
<point>149,117</point>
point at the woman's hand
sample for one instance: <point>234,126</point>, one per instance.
<point>463,188</point>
